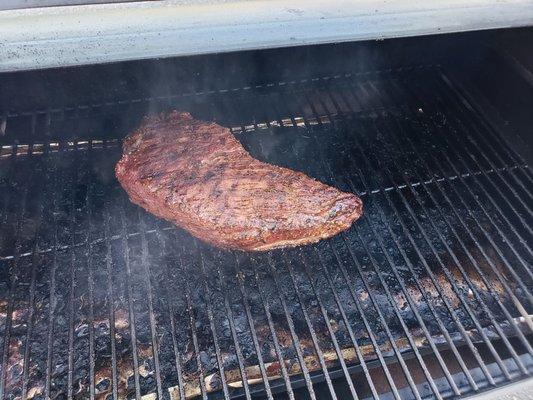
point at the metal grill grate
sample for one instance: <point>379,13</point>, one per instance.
<point>429,294</point>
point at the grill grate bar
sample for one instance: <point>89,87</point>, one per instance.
<point>29,331</point>
<point>527,291</point>
<point>306,316</point>
<point>408,297</point>
<point>418,317</point>
<point>449,307</point>
<point>32,289</point>
<point>131,314</point>
<point>505,182</point>
<point>445,269</point>
<point>397,352</point>
<point>277,112</point>
<point>290,323</point>
<point>490,262</point>
<point>502,335</point>
<point>411,303</point>
<point>90,281</point>
<point>492,222</point>
<point>475,291</point>
<point>153,332</point>
<point>7,325</point>
<point>72,250</point>
<point>490,146</point>
<point>434,314</point>
<point>476,242</point>
<point>52,298</point>
<point>250,321</point>
<point>172,319</point>
<point>495,271</point>
<point>311,330</point>
<point>279,356</point>
<point>451,280</point>
<point>498,142</point>
<point>330,329</point>
<point>192,323</point>
<point>437,286</point>
<point>110,293</point>
<point>406,371</point>
<point>340,307</point>
<point>21,210</point>
<point>522,241</point>
<point>210,314</point>
<point>357,349</point>
<point>231,321</point>
<point>368,328</point>
<point>477,295</point>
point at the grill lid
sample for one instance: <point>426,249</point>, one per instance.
<point>80,35</point>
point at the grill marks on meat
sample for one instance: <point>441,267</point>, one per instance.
<point>198,176</point>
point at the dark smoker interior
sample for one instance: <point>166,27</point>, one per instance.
<point>428,295</point>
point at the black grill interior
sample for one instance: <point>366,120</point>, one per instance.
<point>428,295</point>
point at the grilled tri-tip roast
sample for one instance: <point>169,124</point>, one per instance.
<point>197,175</point>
